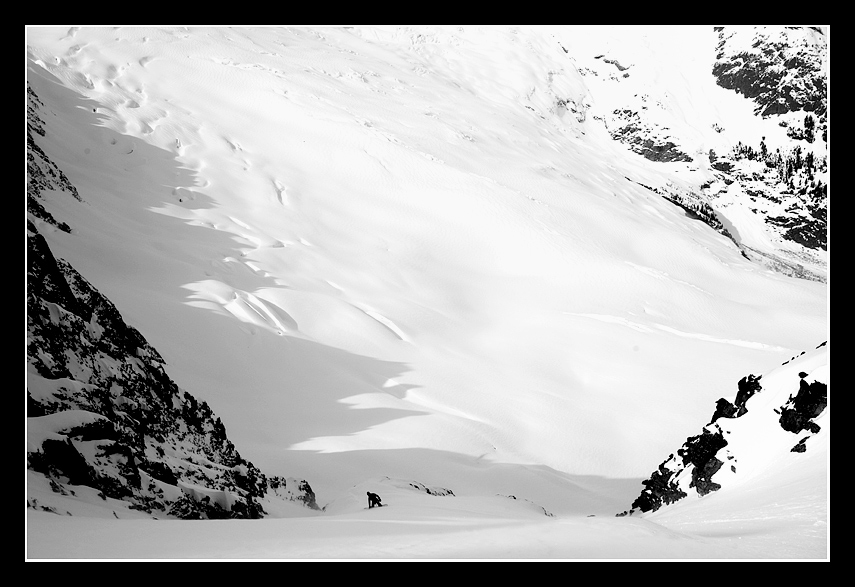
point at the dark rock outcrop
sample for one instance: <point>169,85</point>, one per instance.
<point>697,458</point>
<point>660,489</point>
<point>780,72</point>
<point>747,386</point>
<point>702,457</point>
<point>700,452</point>
<point>42,173</point>
<point>799,412</point>
<point>647,140</point>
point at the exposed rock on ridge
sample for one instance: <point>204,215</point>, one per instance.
<point>781,69</point>
<point>699,466</point>
<point>102,413</point>
<point>774,201</point>
<point>42,173</point>
<point>784,72</point>
<point>648,140</point>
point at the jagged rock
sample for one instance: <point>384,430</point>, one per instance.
<point>800,447</point>
<point>800,410</point>
<point>724,409</point>
<point>810,231</point>
<point>293,490</point>
<point>700,462</point>
<point>700,451</point>
<point>42,173</point>
<point>660,489</point>
<point>748,386</point>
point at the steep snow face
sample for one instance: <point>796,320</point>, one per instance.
<point>413,253</point>
<point>104,420</point>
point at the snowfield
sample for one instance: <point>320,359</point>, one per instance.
<point>401,259</point>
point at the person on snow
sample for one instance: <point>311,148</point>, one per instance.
<point>373,499</point>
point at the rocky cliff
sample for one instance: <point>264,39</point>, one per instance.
<point>103,415</point>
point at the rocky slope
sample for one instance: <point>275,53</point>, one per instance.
<point>772,420</point>
<point>781,69</point>
<point>103,415</point>
<point>768,193</point>
<point>42,173</point>
<point>784,72</point>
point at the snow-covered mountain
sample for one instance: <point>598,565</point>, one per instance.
<point>491,273</point>
<point>747,115</point>
<point>103,416</point>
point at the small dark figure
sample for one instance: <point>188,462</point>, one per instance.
<point>373,500</point>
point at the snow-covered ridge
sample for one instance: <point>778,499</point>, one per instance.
<point>772,421</point>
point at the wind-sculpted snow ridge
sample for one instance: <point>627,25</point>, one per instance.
<point>748,436</point>
<point>105,423</point>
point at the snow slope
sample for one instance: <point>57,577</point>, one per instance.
<point>396,253</point>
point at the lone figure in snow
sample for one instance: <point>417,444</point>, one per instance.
<point>373,499</point>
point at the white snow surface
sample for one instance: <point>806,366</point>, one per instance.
<point>386,257</point>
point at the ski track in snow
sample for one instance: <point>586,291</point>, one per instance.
<point>695,335</point>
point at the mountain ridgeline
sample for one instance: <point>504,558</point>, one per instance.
<point>102,413</point>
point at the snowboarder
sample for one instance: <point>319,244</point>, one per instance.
<point>373,500</point>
